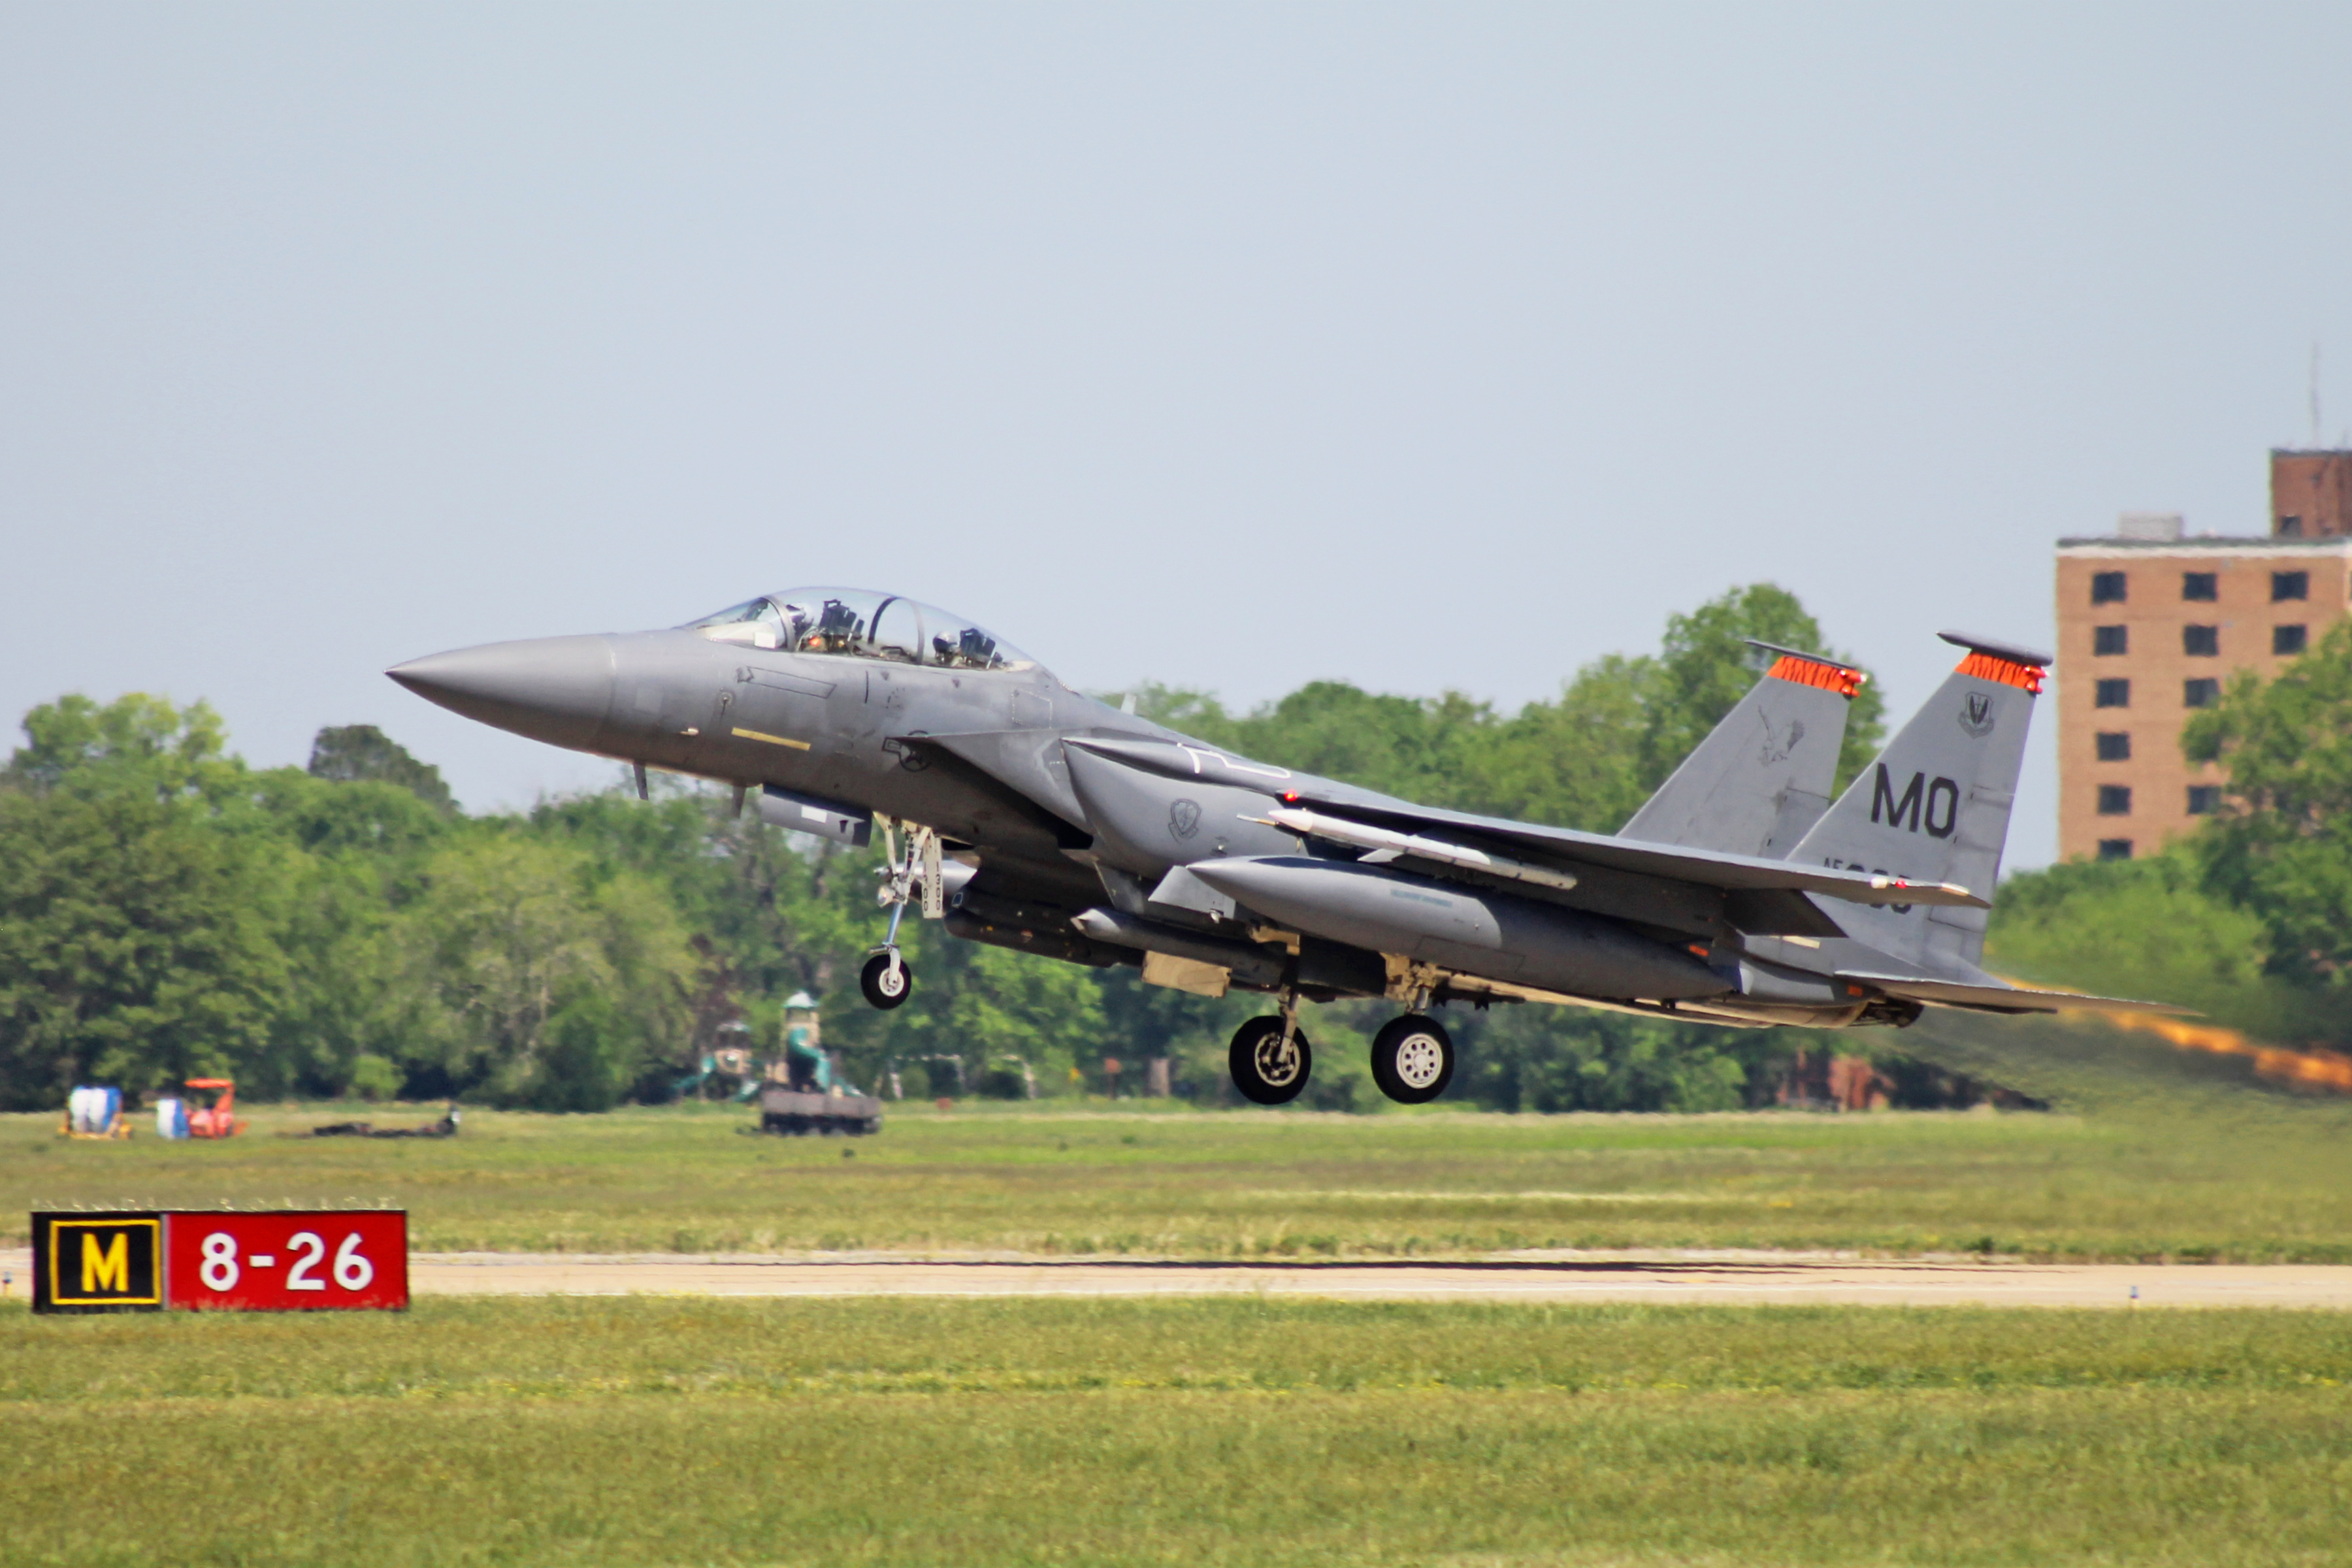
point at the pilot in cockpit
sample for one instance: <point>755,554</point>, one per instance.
<point>854,622</point>
<point>971,647</point>
<point>837,630</point>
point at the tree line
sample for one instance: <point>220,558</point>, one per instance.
<point>168,910</point>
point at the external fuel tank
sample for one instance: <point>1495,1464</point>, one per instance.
<point>1498,935</point>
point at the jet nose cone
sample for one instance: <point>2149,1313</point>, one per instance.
<point>556,690</point>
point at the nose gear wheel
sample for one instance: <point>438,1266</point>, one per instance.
<point>888,979</point>
<point>1412,1060</point>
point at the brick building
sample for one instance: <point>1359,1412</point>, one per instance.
<point>2150,625</point>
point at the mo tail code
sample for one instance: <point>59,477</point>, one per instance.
<point>1931,804</point>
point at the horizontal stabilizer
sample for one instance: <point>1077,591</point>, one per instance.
<point>2000,998</point>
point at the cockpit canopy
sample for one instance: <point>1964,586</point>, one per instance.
<point>856,624</point>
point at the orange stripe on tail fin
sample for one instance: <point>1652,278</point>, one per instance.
<point>1834,677</point>
<point>2008,671</point>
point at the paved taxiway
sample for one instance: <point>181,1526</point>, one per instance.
<point>1717,1277</point>
<point>1747,1278</point>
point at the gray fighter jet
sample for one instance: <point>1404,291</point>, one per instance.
<point>1019,812</point>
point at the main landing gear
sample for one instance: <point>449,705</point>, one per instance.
<point>888,979</point>
<point>1270,1058</point>
<point>1413,1058</point>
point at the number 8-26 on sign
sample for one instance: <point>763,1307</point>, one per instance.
<point>287,1260</point>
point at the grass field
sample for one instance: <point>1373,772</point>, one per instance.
<point>1068,1178</point>
<point>651,1431</point>
<point>663,1430</point>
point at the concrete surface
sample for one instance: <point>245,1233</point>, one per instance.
<point>1718,1276</point>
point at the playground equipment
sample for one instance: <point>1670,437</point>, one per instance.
<point>728,1071</point>
<point>94,1113</point>
<point>813,1096</point>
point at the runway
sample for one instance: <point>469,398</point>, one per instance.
<point>1729,1278</point>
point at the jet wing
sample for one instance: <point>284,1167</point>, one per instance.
<point>1701,868</point>
<point>1999,998</point>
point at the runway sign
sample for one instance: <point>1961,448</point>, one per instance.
<point>288,1261</point>
<point>98,1263</point>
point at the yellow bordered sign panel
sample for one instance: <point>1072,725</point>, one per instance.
<point>98,1262</point>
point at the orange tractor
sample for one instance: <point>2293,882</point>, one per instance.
<point>218,1120</point>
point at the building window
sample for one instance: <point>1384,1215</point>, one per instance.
<point>2204,800</point>
<point>2203,587</point>
<point>2114,800</point>
<point>2288,640</point>
<point>2285,585</point>
<point>2202,642</point>
<point>2114,746</point>
<point>2114,848</point>
<point>2113,694</point>
<point>2200,693</point>
<point>2290,528</point>
<point>2110,639</point>
<point>2107,587</point>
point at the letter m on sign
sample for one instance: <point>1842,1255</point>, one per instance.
<point>106,1272</point>
<point>1881,796</point>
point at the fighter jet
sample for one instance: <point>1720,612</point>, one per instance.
<point>1017,811</point>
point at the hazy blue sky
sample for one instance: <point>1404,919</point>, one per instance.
<point>1231,346</point>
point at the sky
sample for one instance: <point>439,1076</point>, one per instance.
<point>1229,346</point>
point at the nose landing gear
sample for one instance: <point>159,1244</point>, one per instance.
<point>888,979</point>
<point>1270,1059</point>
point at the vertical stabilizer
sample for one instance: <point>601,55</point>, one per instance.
<point>1935,806</point>
<point>1762,777</point>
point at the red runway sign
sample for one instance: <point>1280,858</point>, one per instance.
<point>288,1261</point>
<point>296,1260</point>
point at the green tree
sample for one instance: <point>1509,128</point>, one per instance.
<point>2282,847</point>
<point>540,986</point>
<point>1575,762</point>
<point>1551,1059</point>
<point>137,739</point>
<point>988,1002</point>
<point>352,752</point>
<point>135,946</point>
<point>347,855</point>
<point>2143,928</point>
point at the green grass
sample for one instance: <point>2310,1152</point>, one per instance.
<point>2162,1154</point>
<point>654,1431</point>
<point>1264,1184</point>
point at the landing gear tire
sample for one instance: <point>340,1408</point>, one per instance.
<point>1412,1060</point>
<point>1264,1073</point>
<point>888,980</point>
